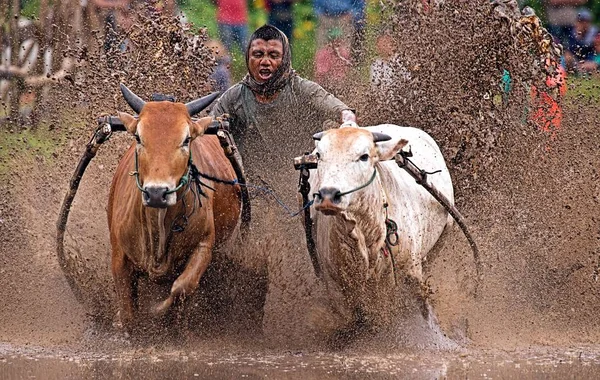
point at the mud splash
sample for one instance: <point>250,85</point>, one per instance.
<point>531,199</point>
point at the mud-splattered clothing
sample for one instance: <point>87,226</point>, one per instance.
<point>270,135</point>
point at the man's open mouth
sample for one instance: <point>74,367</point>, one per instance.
<point>265,74</point>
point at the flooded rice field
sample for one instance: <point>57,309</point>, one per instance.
<point>529,190</point>
<point>215,364</point>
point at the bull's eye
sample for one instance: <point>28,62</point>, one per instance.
<point>137,139</point>
<point>318,155</point>
<point>364,157</point>
<point>186,142</point>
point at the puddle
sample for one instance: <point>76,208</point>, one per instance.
<point>19,364</point>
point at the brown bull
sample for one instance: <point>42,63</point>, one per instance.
<point>159,223</point>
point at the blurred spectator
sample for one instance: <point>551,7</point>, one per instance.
<point>593,63</point>
<point>562,15</point>
<point>221,75</point>
<point>281,16</point>
<point>581,40</point>
<point>166,7</point>
<point>347,15</point>
<point>332,60</point>
<point>386,67</point>
<point>110,10</point>
<point>232,21</point>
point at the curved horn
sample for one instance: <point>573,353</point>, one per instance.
<point>317,136</point>
<point>196,106</point>
<point>378,137</point>
<point>135,102</point>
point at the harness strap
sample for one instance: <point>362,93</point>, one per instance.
<point>304,190</point>
<point>361,186</point>
<point>391,230</point>
<point>184,180</point>
<point>355,189</point>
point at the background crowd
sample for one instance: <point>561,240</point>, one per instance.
<point>573,23</point>
<point>327,36</point>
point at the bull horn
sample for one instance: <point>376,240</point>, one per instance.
<point>135,102</point>
<point>317,136</point>
<point>378,137</point>
<point>196,106</point>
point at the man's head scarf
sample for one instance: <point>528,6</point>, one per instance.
<point>284,72</point>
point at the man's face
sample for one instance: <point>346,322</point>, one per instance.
<point>265,58</point>
<point>582,26</point>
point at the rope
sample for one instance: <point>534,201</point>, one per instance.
<point>264,190</point>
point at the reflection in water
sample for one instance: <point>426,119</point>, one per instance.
<point>179,365</point>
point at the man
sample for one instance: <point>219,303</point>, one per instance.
<point>346,15</point>
<point>274,112</point>
<point>232,21</point>
<point>281,16</point>
<point>581,39</point>
<point>561,15</point>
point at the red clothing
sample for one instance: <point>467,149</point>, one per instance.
<point>547,111</point>
<point>232,11</point>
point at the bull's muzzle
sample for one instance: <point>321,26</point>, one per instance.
<point>327,200</point>
<point>155,196</point>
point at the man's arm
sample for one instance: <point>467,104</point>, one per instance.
<point>220,107</point>
<point>225,103</point>
<point>327,105</point>
<point>229,103</point>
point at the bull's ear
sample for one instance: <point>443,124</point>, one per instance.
<point>199,126</point>
<point>388,150</point>
<point>129,122</point>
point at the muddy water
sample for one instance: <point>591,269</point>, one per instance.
<point>532,200</point>
<point>149,364</point>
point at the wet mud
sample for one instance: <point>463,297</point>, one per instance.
<point>216,364</point>
<point>531,198</point>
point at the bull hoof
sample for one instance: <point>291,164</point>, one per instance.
<point>161,308</point>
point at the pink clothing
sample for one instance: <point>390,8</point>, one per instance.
<point>233,12</point>
<point>331,65</point>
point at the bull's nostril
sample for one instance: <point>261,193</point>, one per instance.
<point>330,194</point>
<point>337,197</point>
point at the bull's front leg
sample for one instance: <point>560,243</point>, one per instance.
<point>188,281</point>
<point>123,275</point>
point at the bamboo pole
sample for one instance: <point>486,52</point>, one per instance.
<point>17,85</point>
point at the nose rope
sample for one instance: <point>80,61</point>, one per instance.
<point>264,190</point>
<point>196,173</point>
<point>353,190</point>
<point>185,179</point>
<point>136,174</point>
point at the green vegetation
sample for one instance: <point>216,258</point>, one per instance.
<point>30,8</point>
<point>583,86</point>
<point>24,145</point>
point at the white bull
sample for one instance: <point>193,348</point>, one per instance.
<point>354,178</point>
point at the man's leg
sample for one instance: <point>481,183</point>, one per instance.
<point>241,36</point>
<point>227,35</point>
